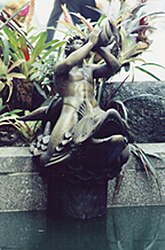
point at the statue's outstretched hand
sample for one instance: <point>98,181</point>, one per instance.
<point>94,36</point>
<point>105,35</point>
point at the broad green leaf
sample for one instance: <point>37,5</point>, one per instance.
<point>16,53</point>
<point>54,42</point>
<point>13,40</point>
<point>3,69</point>
<point>34,37</point>
<point>2,85</point>
<point>34,76</point>
<point>17,75</point>
<point>16,64</point>
<point>101,19</point>
<point>38,47</point>
<point>72,29</point>
<point>10,85</point>
<point>14,56</point>
<point>37,65</point>
<point>14,112</point>
<point>5,49</point>
<point>1,104</point>
<point>123,39</point>
<point>56,46</point>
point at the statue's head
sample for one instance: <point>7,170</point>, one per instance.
<point>73,44</point>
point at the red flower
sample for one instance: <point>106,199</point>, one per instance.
<point>25,11</point>
<point>25,48</point>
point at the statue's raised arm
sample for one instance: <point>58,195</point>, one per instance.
<point>76,50</point>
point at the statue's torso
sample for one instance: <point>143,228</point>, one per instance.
<point>78,83</point>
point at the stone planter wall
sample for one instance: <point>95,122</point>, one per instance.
<point>22,188</point>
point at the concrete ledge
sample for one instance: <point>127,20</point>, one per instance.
<point>137,189</point>
<point>22,188</point>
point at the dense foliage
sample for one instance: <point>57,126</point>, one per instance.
<point>27,61</point>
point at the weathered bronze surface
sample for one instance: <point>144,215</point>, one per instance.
<point>84,132</point>
<point>83,144</point>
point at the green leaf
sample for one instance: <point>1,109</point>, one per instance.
<point>5,49</point>
<point>38,47</point>
<point>101,19</point>
<point>16,64</point>
<point>2,85</point>
<point>123,38</point>
<point>148,72</point>
<point>53,42</point>
<point>72,29</point>
<point>15,111</point>
<point>57,45</point>
<point>153,64</point>
<point>34,37</point>
<point>17,75</point>
<point>34,76</point>
<point>12,37</point>
<point>3,69</point>
<point>9,83</point>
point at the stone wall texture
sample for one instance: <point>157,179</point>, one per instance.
<point>23,189</point>
<point>145,104</point>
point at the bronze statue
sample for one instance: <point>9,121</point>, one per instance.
<point>82,123</point>
<point>81,143</point>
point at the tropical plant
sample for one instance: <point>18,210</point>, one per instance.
<point>26,130</point>
<point>132,27</point>
<point>32,50</point>
<point>7,75</point>
<point>24,51</point>
<point>33,60</point>
<point>23,57</point>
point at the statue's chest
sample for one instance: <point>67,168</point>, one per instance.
<point>83,74</point>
